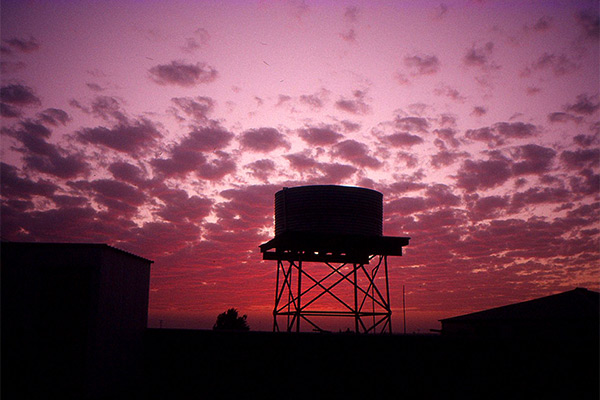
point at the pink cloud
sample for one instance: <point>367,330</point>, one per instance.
<point>411,160</point>
<point>498,133</point>
<point>181,74</point>
<point>405,206</point>
<point>479,111</point>
<point>261,169</point>
<point>484,174</point>
<point>23,45</point>
<point>197,107</point>
<point>402,139</point>
<point>320,136</point>
<point>301,162</point>
<point>319,173</point>
<point>560,65</point>
<point>252,205</point>
<point>53,116</point>
<point>351,13</point>
<point>480,56</point>
<point>18,95</point>
<point>349,36</point>
<point>448,136</point>
<point>580,158</point>
<point>412,124</point>
<point>534,196</point>
<point>589,23</point>
<point>586,140</point>
<point>42,156</point>
<point>356,153</point>
<point>181,162</point>
<point>124,137</point>
<point>14,186</point>
<point>563,117</point>
<point>206,139</point>
<point>217,168</point>
<point>263,140</point>
<point>179,207</point>
<point>355,105</point>
<point>587,183</point>
<point>489,207</point>
<point>585,105</point>
<point>422,64</point>
<point>533,159</point>
<point>543,24</point>
<point>127,172</point>
<point>335,173</point>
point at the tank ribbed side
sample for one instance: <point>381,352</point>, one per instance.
<point>329,209</point>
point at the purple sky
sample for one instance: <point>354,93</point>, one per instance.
<point>165,128</point>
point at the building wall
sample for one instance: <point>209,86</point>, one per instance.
<point>73,319</point>
<point>118,331</point>
<point>536,328</point>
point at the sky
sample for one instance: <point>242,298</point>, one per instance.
<point>165,129</point>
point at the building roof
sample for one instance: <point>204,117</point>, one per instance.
<point>25,245</point>
<point>578,303</point>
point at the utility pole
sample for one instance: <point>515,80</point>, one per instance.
<point>404,307</point>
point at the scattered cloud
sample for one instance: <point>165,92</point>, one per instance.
<point>10,67</point>
<point>355,105</point>
<point>532,159</point>
<point>349,36</point>
<point>261,169</point>
<point>559,64</point>
<point>23,45</point>
<point>483,174</point>
<point>479,111</point>
<point>127,137</point>
<point>352,13</point>
<point>480,57</point>
<point>197,108</point>
<point>589,22</point>
<point>263,140</point>
<point>18,95</point>
<point>445,158</point>
<point>412,124</point>
<point>585,105</point>
<point>450,92</point>
<point>497,134</point>
<point>179,73</point>
<point>43,156</point>
<point>356,153</point>
<point>563,117</point>
<point>320,136</point>
<point>402,139</point>
<point>543,24</point>
<point>422,64</point>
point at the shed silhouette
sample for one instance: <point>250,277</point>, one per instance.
<point>571,314</point>
<point>73,319</point>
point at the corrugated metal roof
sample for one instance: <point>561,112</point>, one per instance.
<point>578,303</point>
<point>79,245</point>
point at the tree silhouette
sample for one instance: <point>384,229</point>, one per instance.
<point>230,321</point>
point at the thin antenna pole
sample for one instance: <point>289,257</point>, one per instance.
<point>404,306</point>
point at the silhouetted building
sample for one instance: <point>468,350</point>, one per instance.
<point>572,314</point>
<point>73,319</point>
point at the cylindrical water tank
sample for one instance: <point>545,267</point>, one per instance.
<point>329,209</point>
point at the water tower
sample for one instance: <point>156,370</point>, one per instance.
<point>331,258</point>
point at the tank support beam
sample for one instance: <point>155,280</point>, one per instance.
<point>346,290</point>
